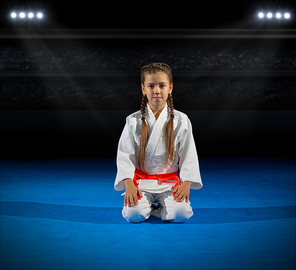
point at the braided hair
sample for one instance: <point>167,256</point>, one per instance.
<point>169,134</point>
<point>169,128</point>
<point>156,67</point>
<point>144,135</point>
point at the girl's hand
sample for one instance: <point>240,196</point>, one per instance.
<point>131,193</point>
<point>182,192</point>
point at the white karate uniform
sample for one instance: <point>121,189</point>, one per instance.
<point>153,190</point>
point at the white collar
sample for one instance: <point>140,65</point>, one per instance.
<point>150,115</point>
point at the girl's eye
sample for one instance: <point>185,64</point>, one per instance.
<point>162,86</point>
<point>151,86</point>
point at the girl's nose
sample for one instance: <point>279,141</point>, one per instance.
<point>157,90</point>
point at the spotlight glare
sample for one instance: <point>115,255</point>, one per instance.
<point>13,15</point>
<point>39,15</point>
<point>261,15</point>
<point>30,15</point>
<point>287,15</point>
<point>269,15</point>
<point>278,15</point>
<point>22,15</point>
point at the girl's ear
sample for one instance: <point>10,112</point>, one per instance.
<point>143,89</point>
<point>171,88</point>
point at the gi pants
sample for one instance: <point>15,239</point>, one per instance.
<point>169,210</point>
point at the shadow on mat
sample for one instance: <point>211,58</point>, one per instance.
<point>109,215</point>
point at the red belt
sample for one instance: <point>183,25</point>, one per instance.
<point>160,177</point>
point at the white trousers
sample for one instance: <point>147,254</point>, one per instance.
<point>169,209</point>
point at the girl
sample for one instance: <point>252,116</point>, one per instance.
<point>156,142</point>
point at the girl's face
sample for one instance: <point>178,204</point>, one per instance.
<point>157,88</point>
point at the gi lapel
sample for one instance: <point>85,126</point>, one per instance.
<point>156,129</point>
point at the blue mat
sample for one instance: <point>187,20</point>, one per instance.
<point>65,214</point>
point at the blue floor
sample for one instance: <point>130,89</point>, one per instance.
<point>65,214</point>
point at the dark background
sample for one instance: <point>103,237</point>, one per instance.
<point>150,14</point>
<point>67,83</point>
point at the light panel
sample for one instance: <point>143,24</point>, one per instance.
<point>25,15</point>
<point>271,15</point>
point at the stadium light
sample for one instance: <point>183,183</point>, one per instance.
<point>261,15</point>
<point>25,15</point>
<point>276,15</point>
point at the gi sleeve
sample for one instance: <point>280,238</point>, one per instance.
<point>126,158</point>
<point>188,159</point>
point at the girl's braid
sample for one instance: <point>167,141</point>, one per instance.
<point>144,135</point>
<point>171,104</point>
<point>143,106</point>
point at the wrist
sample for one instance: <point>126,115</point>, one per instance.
<point>187,183</point>
<point>128,182</point>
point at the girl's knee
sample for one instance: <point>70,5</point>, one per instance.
<point>180,213</point>
<point>136,214</point>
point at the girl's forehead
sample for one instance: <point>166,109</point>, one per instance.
<point>156,77</point>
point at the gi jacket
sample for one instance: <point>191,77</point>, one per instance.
<point>186,156</point>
